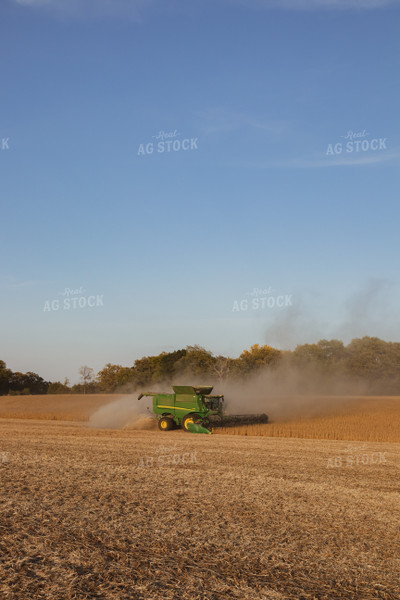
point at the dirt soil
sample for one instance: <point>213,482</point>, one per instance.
<point>149,515</point>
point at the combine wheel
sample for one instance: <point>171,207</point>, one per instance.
<point>191,418</point>
<point>166,423</point>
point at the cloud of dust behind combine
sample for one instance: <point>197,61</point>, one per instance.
<point>283,393</point>
<point>123,413</point>
<point>287,393</point>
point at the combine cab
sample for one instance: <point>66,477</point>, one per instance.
<point>195,410</point>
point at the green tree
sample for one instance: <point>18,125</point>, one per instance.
<point>144,368</point>
<point>27,383</point>
<point>373,359</point>
<point>5,375</point>
<point>36,384</point>
<point>113,377</point>
<point>197,361</point>
<point>326,355</point>
<point>58,388</point>
<point>107,378</point>
<point>165,365</point>
<point>258,357</point>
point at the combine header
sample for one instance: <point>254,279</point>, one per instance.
<point>195,410</point>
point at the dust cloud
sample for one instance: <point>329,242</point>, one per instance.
<point>287,393</point>
<point>124,413</point>
<point>284,392</point>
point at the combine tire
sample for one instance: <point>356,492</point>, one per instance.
<point>191,418</point>
<point>166,424</point>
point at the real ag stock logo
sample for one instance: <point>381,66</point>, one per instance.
<point>356,456</point>
<point>356,142</point>
<point>168,456</point>
<point>261,299</point>
<point>73,299</point>
<point>167,142</point>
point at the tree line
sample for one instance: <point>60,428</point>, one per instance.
<point>370,361</point>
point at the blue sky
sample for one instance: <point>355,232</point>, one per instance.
<point>281,178</point>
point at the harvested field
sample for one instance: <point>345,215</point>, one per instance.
<point>54,407</point>
<point>148,515</point>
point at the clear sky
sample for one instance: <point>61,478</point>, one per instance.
<point>213,172</point>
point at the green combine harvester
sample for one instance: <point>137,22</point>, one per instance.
<point>194,409</point>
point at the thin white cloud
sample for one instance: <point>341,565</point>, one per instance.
<point>302,5</point>
<point>135,8</point>
<point>218,120</point>
<point>13,283</point>
<point>90,8</point>
<point>32,2</point>
<point>317,162</point>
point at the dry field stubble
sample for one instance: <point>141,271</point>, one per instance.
<point>54,407</point>
<point>230,517</point>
